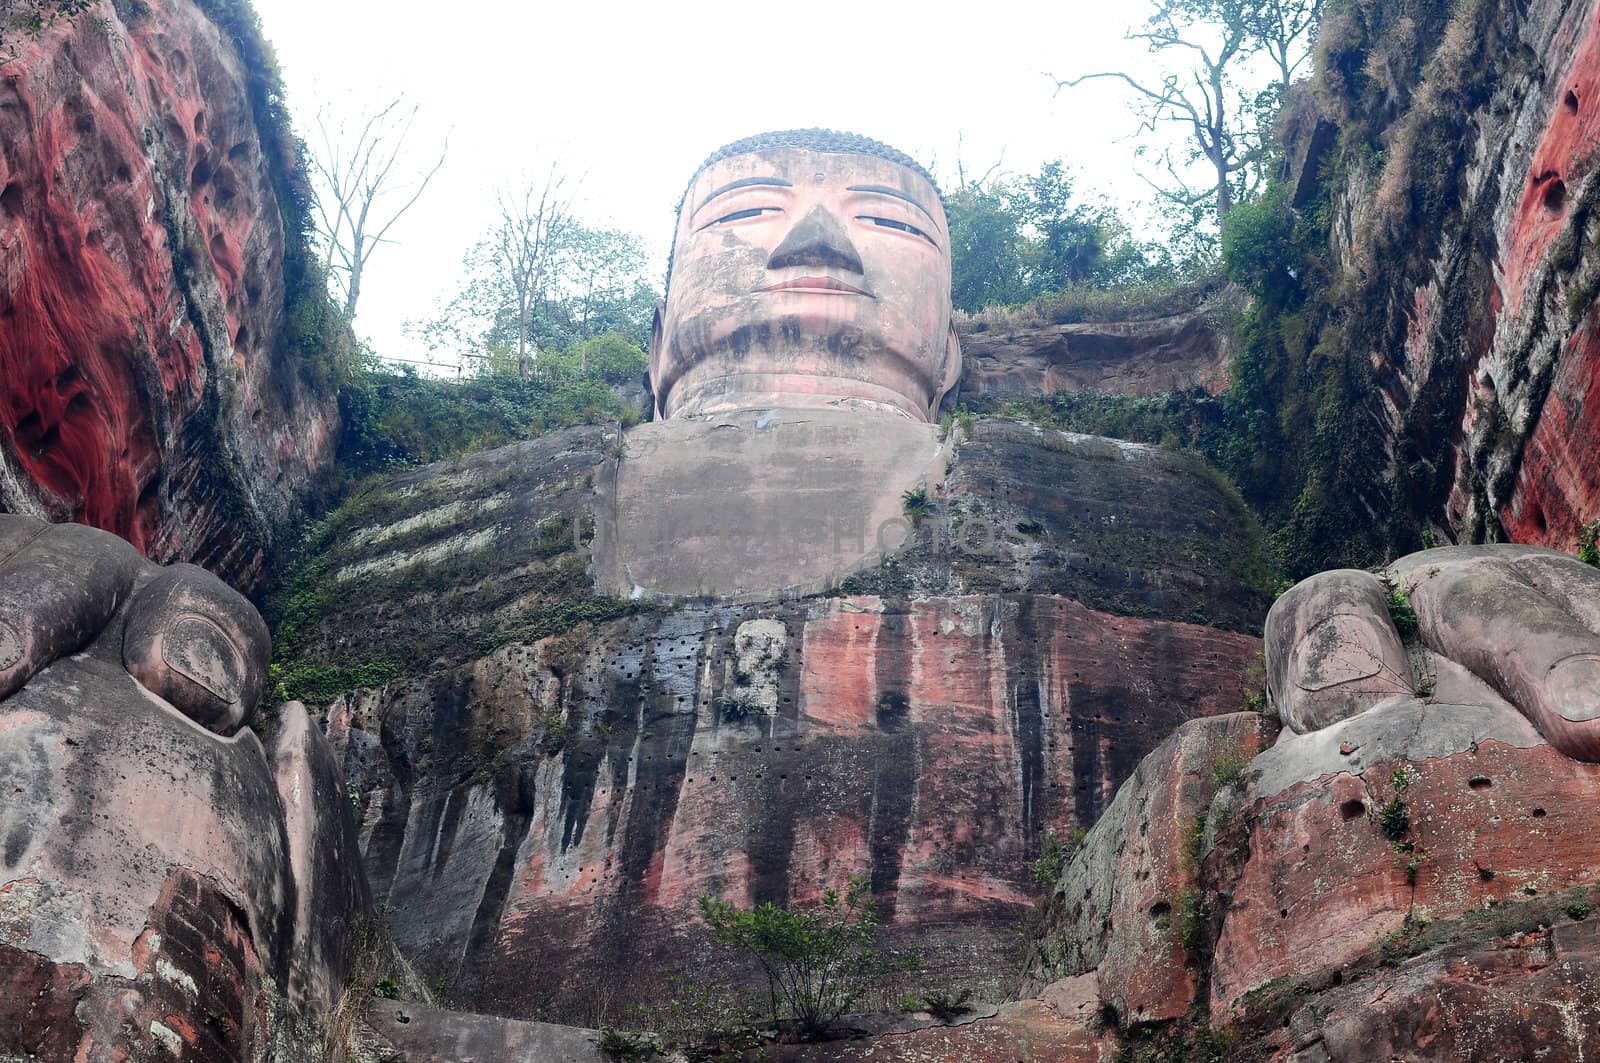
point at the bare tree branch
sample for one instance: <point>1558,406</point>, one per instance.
<point>357,173</point>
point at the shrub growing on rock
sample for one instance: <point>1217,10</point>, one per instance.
<point>819,962</point>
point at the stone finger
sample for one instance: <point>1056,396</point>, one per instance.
<point>1491,616</point>
<point>1332,651</point>
<point>59,587</point>
<point>1570,583</point>
<point>200,645</point>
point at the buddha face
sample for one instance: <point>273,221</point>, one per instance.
<point>805,278</point>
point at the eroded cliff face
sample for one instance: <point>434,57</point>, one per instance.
<point>552,778</point>
<point>1410,882</point>
<point>150,388</point>
<point>1460,167</point>
<point>1140,356</point>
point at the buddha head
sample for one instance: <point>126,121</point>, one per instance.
<point>809,268</point>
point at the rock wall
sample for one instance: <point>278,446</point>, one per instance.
<point>150,387</point>
<point>1134,357</point>
<point>551,777</point>
<point>1282,907</point>
<point>1457,147</point>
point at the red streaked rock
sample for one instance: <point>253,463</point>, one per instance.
<point>141,274</point>
<point>927,745</point>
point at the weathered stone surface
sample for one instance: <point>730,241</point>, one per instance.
<point>1533,996</point>
<point>152,901</point>
<point>554,806</point>
<point>1433,813</point>
<point>1030,1031</point>
<point>809,269</point>
<point>927,744</point>
<point>333,904</point>
<point>755,504</point>
<point>1131,895</point>
<point>198,989</point>
<point>1119,358</point>
<point>1333,649</point>
<point>147,387</point>
<point>417,1033</point>
<point>1488,394</point>
<point>438,565</point>
<point>1488,824</point>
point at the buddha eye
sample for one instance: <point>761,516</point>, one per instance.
<point>741,215</point>
<point>890,223</point>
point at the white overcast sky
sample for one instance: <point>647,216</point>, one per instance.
<point>633,96</point>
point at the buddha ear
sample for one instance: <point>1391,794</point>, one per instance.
<point>952,372</point>
<point>657,354</point>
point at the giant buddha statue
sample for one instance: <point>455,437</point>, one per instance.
<point>802,351</point>
<point>821,685</point>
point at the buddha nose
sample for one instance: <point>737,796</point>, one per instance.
<point>817,240</point>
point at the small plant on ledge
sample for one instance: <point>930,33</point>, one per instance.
<point>1588,547</point>
<point>917,503</point>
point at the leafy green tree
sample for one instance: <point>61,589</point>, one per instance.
<point>539,283</point>
<point>985,256</point>
<point>819,963</point>
<point>1014,239</point>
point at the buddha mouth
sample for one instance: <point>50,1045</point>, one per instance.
<point>820,285</point>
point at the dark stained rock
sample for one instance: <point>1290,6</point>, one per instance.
<point>1533,995</point>
<point>539,818</point>
<point>1479,322</point>
<point>1127,908</point>
<point>1141,357</point>
<point>333,904</point>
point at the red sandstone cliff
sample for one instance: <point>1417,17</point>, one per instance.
<point>149,385</point>
<point>1457,145</point>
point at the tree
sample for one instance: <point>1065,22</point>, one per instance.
<point>541,281</point>
<point>361,194</point>
<point>601,284</point>
<point>1285,30</point>
<point>1012,239</point>
<point>1206,47</point>
<point>819,963</point>
<point>524,243</point>
<point>985,263</point>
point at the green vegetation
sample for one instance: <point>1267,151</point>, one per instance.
<point>314,326</point>
<point>947,1004</point>
<point>1054,852</point>
<point>1188,919</point>
<point>818,962</point>
<point>1014,239</point>
<point>1401,613</point>
<point>1395,817</point>
<point>30,18</point>
<point>917,503</point>
<point>321,682</point>
<point>557,730</point>
<point>398,417</point>
<point>1229,769</point>
<point>1293,431</point>
<point>621,1045</point>
<point>1184,1042</point>
<point>704,1022</point>
<point>733,708</point>
<point>386,989</point>
<point>1588,549</point>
